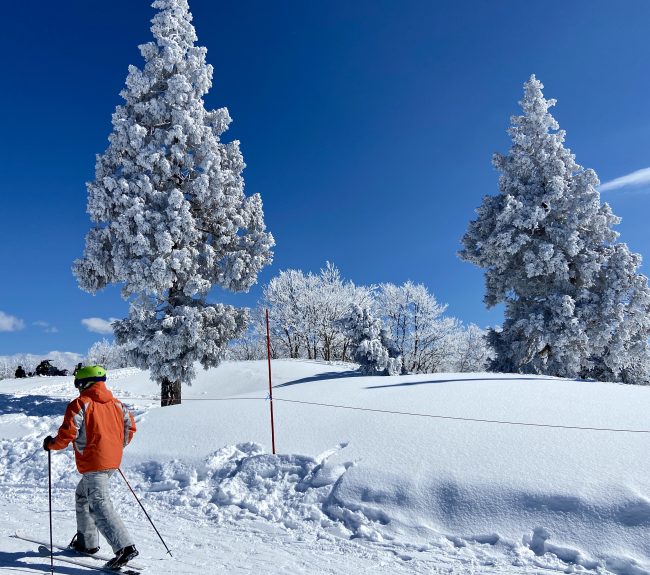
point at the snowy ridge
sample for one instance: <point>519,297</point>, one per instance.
<point>418,494</point>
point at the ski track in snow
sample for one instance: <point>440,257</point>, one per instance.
<point>244,545</point>
<point>260,516</point>
<point>240,510</point>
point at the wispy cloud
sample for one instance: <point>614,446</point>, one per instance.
<point>10,322</point>
<point>633,180</point>
<point>99,325</point>
<point>47,327</point>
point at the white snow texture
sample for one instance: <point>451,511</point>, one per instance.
<point>354,490</point>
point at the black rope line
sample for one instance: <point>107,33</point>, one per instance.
<point>374,410</point>
<point>501,422</point>
<point>154,398</point>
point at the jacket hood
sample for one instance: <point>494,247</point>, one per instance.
<point>98,392</point>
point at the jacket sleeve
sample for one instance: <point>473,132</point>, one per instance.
<point>129,425</point>
<point>73,420</point>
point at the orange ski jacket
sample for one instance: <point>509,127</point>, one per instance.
<point>99,426</point>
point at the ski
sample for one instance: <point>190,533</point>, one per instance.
<point>25,537</point>
<point>126,570</point>
<point>73,553</point>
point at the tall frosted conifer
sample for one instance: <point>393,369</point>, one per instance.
<point>575,304</point>
<point>171,219</point>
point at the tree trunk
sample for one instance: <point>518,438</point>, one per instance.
<point>327,348</point>
<point>170,393</point>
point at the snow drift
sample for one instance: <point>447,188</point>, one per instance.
<point>555,497</point>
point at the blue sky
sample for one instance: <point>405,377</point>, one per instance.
<point>368,128</point>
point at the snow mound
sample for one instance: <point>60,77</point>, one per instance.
<point>240,480</point>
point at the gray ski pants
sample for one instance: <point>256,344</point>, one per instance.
<point>95,512</point>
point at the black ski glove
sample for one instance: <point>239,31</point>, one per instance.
<point>47,442</point>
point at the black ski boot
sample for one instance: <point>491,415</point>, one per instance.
<point>79,547</point>
<point>122,557</point>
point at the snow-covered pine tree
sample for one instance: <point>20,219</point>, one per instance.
<point>371,349</point>
<point>618,320</point>
<point>547,246</point>
<point>171,218</point>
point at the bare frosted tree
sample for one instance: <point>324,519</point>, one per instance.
<point>304,308</point>
<point>416,325</point>
<point>285,294</point>
<point>469,350</point>
<point>332,298</point>
<point>108,354</point>
<point>251,346</point>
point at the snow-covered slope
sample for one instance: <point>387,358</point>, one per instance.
<point>386,492</point>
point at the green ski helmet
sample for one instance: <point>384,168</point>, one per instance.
<point>88,375</point>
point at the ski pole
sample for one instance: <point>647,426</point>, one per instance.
<point>145,512</point>
<point>49,488</point>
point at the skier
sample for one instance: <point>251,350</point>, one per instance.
<point>100,427</point>
<point>20,372</point>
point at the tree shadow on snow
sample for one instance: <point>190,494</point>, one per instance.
<point>34,405</point>
<point>409,383</point>
<point>319,377</point>
<point>13,561</point>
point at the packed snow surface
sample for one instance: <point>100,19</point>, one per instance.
<point>386,489</point>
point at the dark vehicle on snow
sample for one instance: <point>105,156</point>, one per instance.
<point>46,368</point>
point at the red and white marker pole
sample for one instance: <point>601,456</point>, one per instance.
<point>268,352</point>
